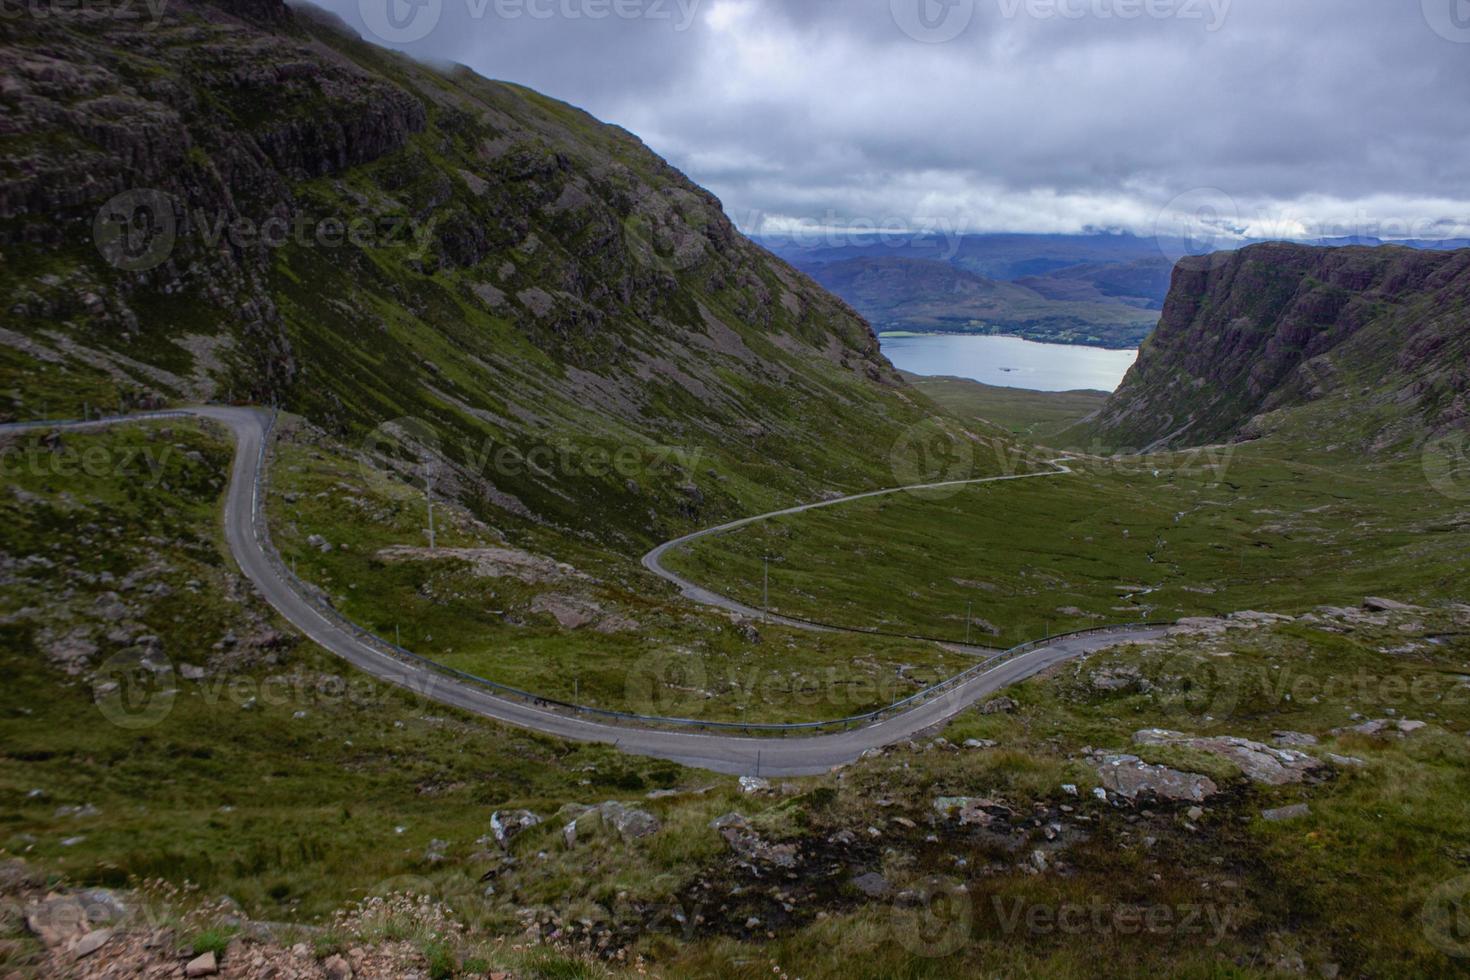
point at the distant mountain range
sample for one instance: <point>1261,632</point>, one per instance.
<point>927,296</point>
<point>1102,290</point>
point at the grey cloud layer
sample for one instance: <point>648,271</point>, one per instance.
<point>1040,115</point>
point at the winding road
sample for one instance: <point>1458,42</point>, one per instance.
<point>793,756</point>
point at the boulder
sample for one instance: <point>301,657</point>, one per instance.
<point>506,824</point>
<point>871,884</point>
<point>753,785</point>
<point>1131,777</point>
<point>628,822</point>
<point>92,942</point>
<point>1373,604</point>
<point>1293,740</point>
<point>570,612</point>
<point>998,706</point>
<point>202,966</point>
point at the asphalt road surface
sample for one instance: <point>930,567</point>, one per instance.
<point>788,756</point>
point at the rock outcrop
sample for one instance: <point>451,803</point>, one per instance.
<point>1276,326</point>
<point>1259,763</point>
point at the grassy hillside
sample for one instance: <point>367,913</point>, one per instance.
<point>1159,537</point>
<point>1031,415</point>
<point>296,216</point>
<point>181,796</point>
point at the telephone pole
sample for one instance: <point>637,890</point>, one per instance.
<point>766,588</point>
<point>969,618</point>
<point>429,497</point>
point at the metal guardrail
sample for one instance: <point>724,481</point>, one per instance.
<point>312,594</point>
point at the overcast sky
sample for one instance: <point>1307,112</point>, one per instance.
<point>1280,118</point>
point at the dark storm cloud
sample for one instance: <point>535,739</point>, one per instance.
<point>1295,118</point>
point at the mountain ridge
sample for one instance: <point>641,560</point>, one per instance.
<point>1375,334</point>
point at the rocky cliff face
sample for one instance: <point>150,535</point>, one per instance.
<point>1383,334</point>
<point>246,201</point>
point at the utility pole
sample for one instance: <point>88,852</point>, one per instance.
<point>429,496</point>
<point>766,588</point>
<point>969,617</point>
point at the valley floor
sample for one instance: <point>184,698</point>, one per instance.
<point>1305,817</point>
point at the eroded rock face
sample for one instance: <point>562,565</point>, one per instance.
<point>1130,777</point>
<point>1260,763</point>
<point>1266,328</point>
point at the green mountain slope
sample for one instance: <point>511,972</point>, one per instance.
<point>1375,340</point>
<point>247,202</point>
